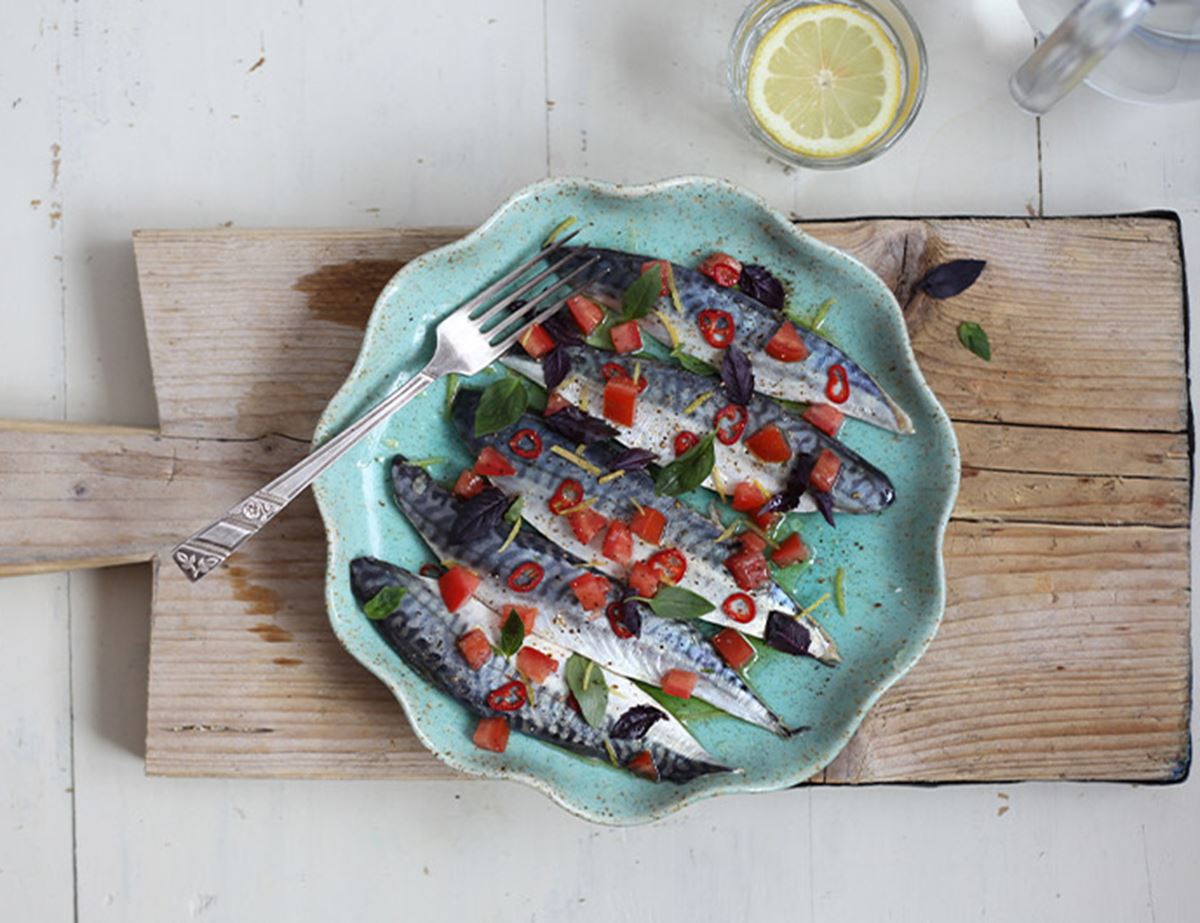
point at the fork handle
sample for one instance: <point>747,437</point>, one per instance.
<point>209,547</point>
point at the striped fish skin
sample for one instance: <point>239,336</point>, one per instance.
<point>696,535</point>
<point>424,634</point>
<point>662,645</point>
<point>755,324</point>
<point>667,407</point>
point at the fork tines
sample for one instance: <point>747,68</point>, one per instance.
<point>504,321</point>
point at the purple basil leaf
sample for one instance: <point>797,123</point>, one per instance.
<point>572,423</point>
<point>824,501</point>
<point>628,615</point>
<point>563,328</point>
<point>786,633</point>
<point>758,282</point>
<point>737,374</point>
<point>793,489</point>
<point>635,722</point>
<point>950,279</point>
<point>633,460</point>
<point>479,516</point>
<point>555,367</point>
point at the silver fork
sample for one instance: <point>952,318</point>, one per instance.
<point>468,340</point>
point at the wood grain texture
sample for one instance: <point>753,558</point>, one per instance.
<point>1068,554</point>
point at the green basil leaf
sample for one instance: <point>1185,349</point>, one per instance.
<point>501,405</point>
<point>512,634</point>
<point>975,338</point>
<point>692,364</point>
<point>384,603</point>
<point>673,602</point>
<point>688,471</point>
<point>642,296</point>
<point>586,682</point>
<point>601,337</point>
<point>513,513</point>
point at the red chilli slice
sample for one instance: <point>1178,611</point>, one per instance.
<point>730,422</point>
<point>739,607</point>
<point>716,327</point>
<point>508,697</point>
<point>526,443</point>
<point>837,389</point>
<point>568,494</point>
<point>526,577</point>
<point>685,441</point>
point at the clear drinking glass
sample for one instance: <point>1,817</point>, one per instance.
<point>896,24</point>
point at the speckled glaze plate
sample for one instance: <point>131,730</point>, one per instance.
<point>893,562</point>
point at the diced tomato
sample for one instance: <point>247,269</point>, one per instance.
<point>591,590</point>
<point>749,569</point>
<point>618,542</point>
<point>752,541</point>
<point>648,524</point>
<point>527,615</point>
<point>747,496</point>
<point>679,683</point>
<point>643,580</point>
<point>664,268</point>
<point>536,341</point>
<point>468,484</point>
<point>767,521</point>
<point>769,444</point>
<point>491,734</point>
<point>456,586</point>
<point>825,417</point>
<point>475,648</point>
<point>825,471</point>
<point>620,400</point>
<point>554,403</point>
<point>536,665</point>
<point>586,312</point>
<point>787,345</point>
<point>722,269</point>
<point>611,370</point>
<point>493,464</point>
<point>733,648</point>
<point>791,550</point>
<point>586,524</point>
<point>643,765</point>
<point>670,564</point>
<point>627,337</point>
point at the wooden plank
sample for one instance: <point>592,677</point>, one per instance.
<point>1040,670</point>
<point>1052,305</point>
<point>1070,500</point>
<point>92,496</point>
<point>298,301</point>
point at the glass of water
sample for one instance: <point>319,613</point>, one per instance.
<point>827,85</point>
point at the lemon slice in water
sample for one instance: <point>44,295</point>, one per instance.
<point>825,81</point>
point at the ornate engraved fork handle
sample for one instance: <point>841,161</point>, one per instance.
<point>209,547</point>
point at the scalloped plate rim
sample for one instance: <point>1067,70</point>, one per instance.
<point>894,316</point>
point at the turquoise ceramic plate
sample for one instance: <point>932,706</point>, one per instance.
<point>893,562</point>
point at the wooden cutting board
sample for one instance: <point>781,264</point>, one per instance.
<point>1065,649</point>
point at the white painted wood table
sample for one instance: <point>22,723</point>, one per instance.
<point>118,115</point>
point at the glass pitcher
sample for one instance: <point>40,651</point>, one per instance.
<point>1145,51</point>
